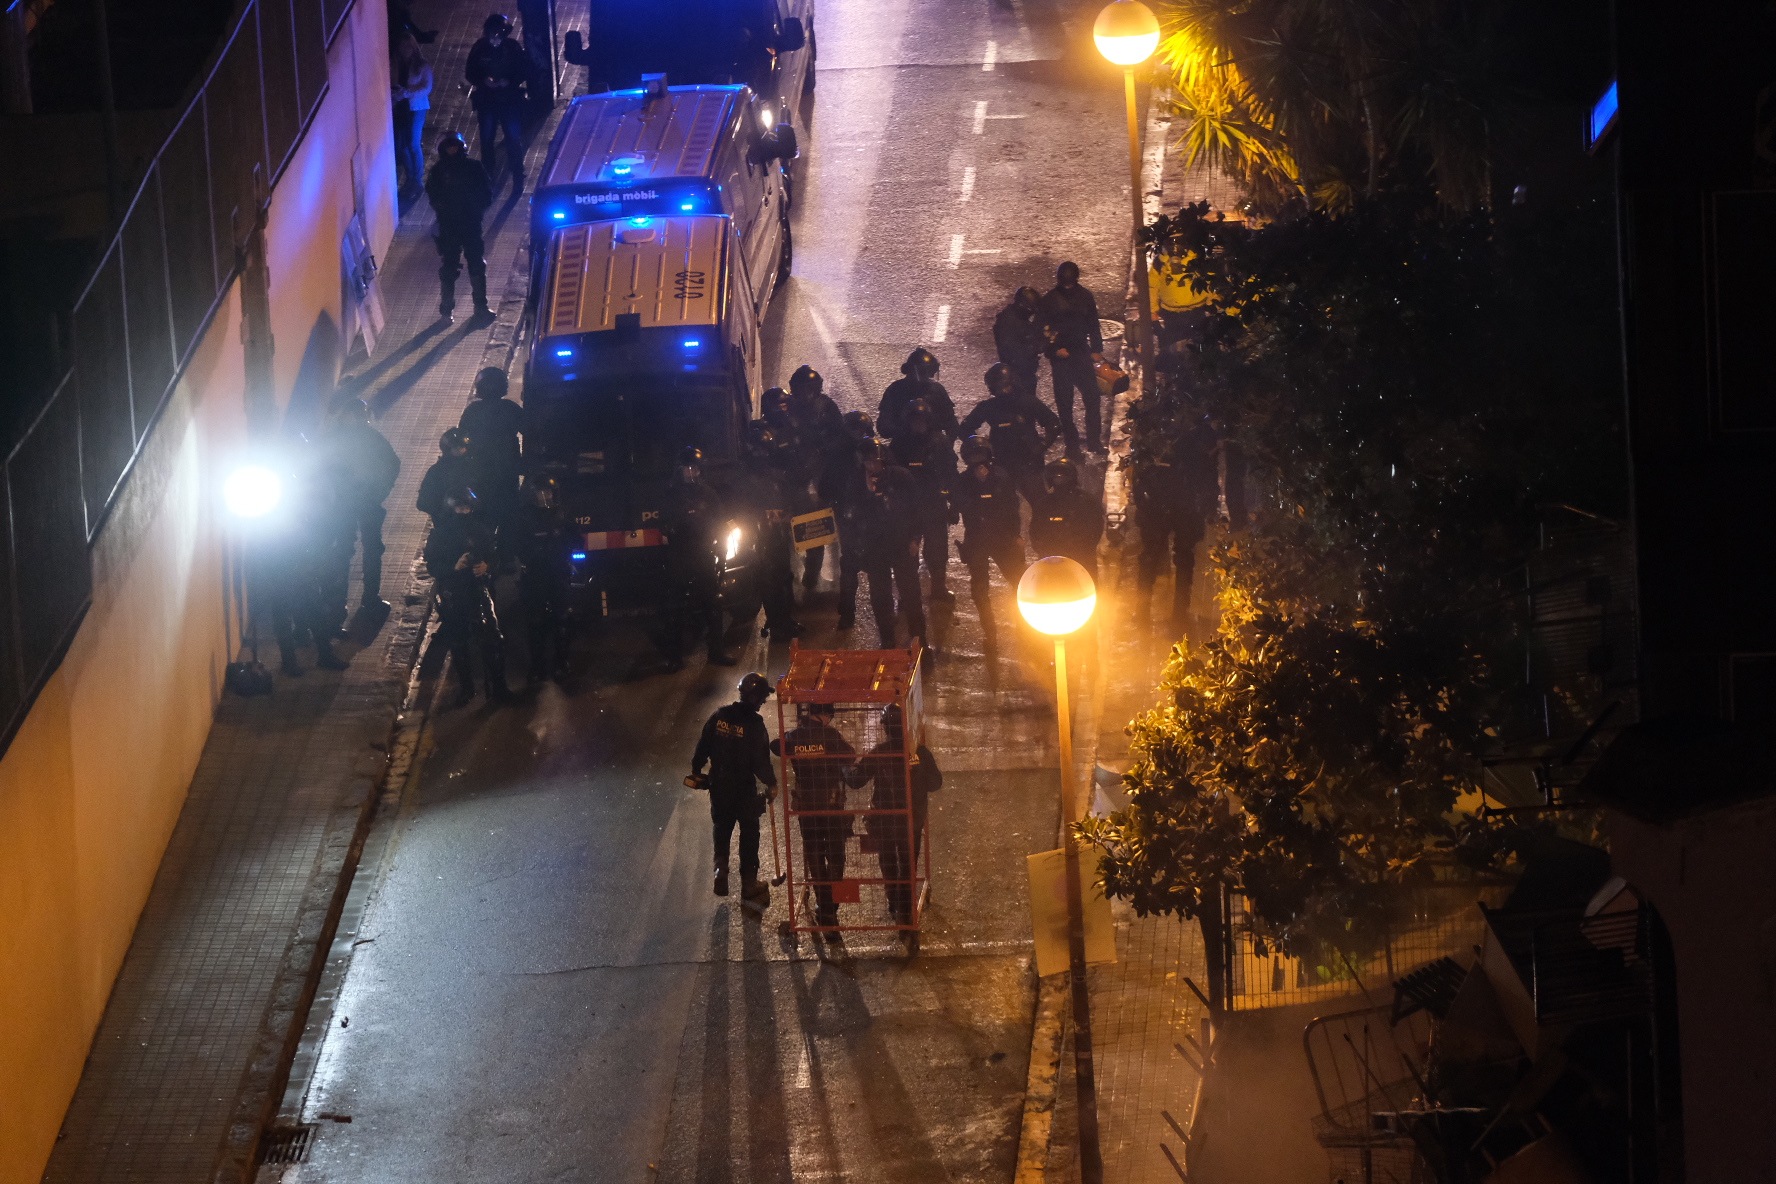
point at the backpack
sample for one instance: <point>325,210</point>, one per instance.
<point>926,776</point>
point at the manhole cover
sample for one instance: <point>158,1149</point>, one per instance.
<point>287,1144</point>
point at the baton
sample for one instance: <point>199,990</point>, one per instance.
<point>776,860</point>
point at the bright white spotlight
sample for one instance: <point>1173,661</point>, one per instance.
<point>252,491</point>
<point>734,537</point>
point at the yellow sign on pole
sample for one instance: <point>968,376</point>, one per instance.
<point>1048,910</point>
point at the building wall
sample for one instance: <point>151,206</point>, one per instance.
<point>1714,883</point>
<point>92,785</point>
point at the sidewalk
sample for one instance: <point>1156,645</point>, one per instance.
<point>205,1010</point>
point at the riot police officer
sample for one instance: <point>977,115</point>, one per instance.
<point>930,458</point>
<point>769,495</point>
<point>1075,345</point>
<point>460,196</point>
<point>493,424</point>
<point>295,568</point>
<point>691,519</point>
<point>899,779</point>
<point>841,478</point>
<point>822,760</point>
<point>812,429</point>
<point>1022,428</point>
<point>737,749</point>
<point>1018,339</point>
<point>1174,492</point>
<point>367,467</point>
<point>545,575</point>
<point>883,513</point>
<point>985,500</point>
<point>918,381</point>
<point>450,471</point>
<point>462,556</point>
<point>1065,520</point>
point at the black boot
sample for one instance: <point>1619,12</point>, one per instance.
<point>721,879</point>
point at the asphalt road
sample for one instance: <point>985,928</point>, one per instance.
<point>544,989</point>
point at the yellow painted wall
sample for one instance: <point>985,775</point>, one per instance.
<point>92,784</point>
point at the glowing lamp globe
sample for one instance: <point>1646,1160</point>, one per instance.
<point>1127,32</point>
<point>252,491</point>
<point>1056,596</point>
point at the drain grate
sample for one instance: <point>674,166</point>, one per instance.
<point>287,1144</point>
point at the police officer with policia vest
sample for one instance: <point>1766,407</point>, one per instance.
<point>736,748</point>
<point>822,761</point>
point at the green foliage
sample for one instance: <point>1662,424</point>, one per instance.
<point>1314,102</point>
<point>1409,391</point>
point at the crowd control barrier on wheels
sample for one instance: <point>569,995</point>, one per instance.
<point>854,802</point>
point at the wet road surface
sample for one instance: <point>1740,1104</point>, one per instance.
<point>544,988</point>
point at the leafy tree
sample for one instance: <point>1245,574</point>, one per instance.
<point>1320,102</point>
<point>1409,391</point>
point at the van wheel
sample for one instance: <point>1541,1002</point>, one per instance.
<point>786,256</point>
<point>813,61</point>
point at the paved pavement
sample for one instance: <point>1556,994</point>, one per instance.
<point>186,1057</point>
<point>543,988</point>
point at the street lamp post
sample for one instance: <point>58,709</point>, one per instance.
<point>1057,596</point>
<point>1127,33</point>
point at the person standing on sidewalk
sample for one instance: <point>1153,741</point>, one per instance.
<point>691,518</point>
<point>498,70</point>
<point>1173,495</point>
<point>494,424</point>
<point>736,748</point>
<point>821,759</point>
<point>819,435</point>
<point>1017,336</point>
<point>1075,346</point>
<point>460,197</point>
<point>410,85</point>
<point>985,500</point>
<point>366,465</point>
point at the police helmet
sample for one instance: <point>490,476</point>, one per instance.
<point>892,719</point>
<point>453,439</point>
<point>1067,273</point>
<point>690,464</point>
<point>761,440</point>
<point>1060,472</point>
<point>491,383</point>
<point>497,22</point>
<point>999,379</point>
<point>453,139</point>
<point>755,689</point>
<point>1027,298</point>
<point>921,364</point>
<point>819,708</point>
<point>806,380</point>
<point>774,399</point>
<point>977,450</point>
<point>917,407</point>
<point>462,500</point>
<point>859,424</point>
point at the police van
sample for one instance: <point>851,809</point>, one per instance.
<point>659,230</point>
<point>767,44</point>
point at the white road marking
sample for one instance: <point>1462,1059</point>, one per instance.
<point>941,329</point>
<point>980,117</point>
<point>992,58</point>
<point>967,183</point>
<point>825,333</point>
<point>955,259</point>
<point>984,251</point>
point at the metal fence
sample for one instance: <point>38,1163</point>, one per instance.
<point>131,332</point>
<point>1432,921</point>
